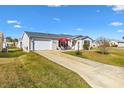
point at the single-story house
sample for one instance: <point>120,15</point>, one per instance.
<point>113,43</point>
<point>11,44</point>
<point>121,44</point>
<point>32,41</point>
<point>116,43</point>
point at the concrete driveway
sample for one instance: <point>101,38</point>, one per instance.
<point>96,74</point>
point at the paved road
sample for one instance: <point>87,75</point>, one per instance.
<point>96,74</point>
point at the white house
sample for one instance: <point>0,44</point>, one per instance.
<point>116,43</point>
<point>121,44</point>
<point>32,41</point>
<point>80,40</point>
<point>4,43</point>
<point>113,43</point>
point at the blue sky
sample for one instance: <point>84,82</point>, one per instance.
<point>94,21</point>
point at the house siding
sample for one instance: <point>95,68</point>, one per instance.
<point>25,43</point>
<point>19,45</point>
<point>81,43</point>
<point>89,40</point>
<point>121,44</point>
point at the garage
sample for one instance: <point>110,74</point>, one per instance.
<point>42,45</point>
<point>32,41</point>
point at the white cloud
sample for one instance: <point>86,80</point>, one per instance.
<point>120,30</point>
<point>118,8</point>
<point>17,26</point>
<point>13,22</point>
<point>116,24</point>
<point>65,33</point>
<point>56,19</point>
<point>54,5</point>
<point>79,29</point>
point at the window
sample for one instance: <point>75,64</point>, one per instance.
<point>86,42</point>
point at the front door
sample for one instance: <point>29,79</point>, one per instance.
<point>63,45</point>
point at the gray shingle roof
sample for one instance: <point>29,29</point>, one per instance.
<point>46,35</point>
<point>38,35</point>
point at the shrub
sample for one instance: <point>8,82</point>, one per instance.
<point>114,45</point>
<point>86,46</point>
<point>103,45</point>
<point>78,52</point>
<point>12,53</point>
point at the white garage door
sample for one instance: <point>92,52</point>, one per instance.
<point>42,45</point>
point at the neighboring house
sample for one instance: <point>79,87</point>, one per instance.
<point>80,40</point>
<point>121,44</point>
<point>4,43</point>
<point>11,44</point>
<point>116,43</point>
<point>113,43</point>
<point>94,44</point>
<point>32,41</point>
<point>1,41</point>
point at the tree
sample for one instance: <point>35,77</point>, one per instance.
<point>103,45</point>
<point>9,39</point>
<point>15,40</point>
<point>123,37</point>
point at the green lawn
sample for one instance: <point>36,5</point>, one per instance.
<point>32,70</point>
<point>12,52</point>
<point>115,56</point>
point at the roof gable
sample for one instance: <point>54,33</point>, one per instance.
<point>82,37</point>
<point>85,37</point>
